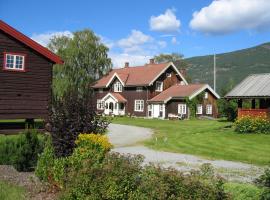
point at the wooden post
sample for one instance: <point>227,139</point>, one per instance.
<point>240,103</point>
<point>253,104</point>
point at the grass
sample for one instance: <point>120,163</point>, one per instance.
<point>240,191</point>
<point>208,138</point>
<point>11,192</point>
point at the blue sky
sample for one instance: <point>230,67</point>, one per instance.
<point>137,30</point>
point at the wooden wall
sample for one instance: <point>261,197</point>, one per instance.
<point>24,94</point>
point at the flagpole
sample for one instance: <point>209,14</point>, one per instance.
<point>214,72</point>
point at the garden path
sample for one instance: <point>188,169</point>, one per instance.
<point>128,140</point>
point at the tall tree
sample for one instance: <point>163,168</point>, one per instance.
<point>176,58</point>
<point>85,58</point>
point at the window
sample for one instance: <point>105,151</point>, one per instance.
<point>159,86</point>
<point>161,108</point>
<point>139,105</point>
<point>100,104</point>
<point>199,109</point>
<point>139,89</point>
<point>14,62</point>
<point>150,110</point>
<point>168,75</point>
<point>206,95</point>
<point>182,109</point>
<point>209,109</point>
<point>100,90</point>
<point>117,87</point>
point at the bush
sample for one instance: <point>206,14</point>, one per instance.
<point>252,125</point>
<point>92,172</point>
<point>70,116</point>
<point>264,182</point>
<point>21,151</point>
<point>123,177</point>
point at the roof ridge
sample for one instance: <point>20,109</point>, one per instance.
<point>30,42</point>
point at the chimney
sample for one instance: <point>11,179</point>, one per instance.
<point>152,61</point>
<point>126,64</point>
<point>183,72</point>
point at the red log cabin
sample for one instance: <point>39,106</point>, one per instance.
<point>25,76</point>
<point>152,90</point>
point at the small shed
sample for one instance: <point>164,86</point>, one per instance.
<point>256,89</point>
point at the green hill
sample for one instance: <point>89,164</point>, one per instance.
<point>231,67</point>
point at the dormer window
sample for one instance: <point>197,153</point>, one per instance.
<point>14,62</point>
<point>117,87</point>
<point>159,86</point>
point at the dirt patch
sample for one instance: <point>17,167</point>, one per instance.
<point>35,189</point>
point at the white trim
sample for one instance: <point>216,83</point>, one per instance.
<point>209,109</point>
<point>115,75</point>
<point>183,108</point>
<point>14,62</point>
<point>201,109</point>
<point>175,68</point>
<point>161,86</point>
<point>107,95</point>
<point>117,86</point>
<point>202,89</point>
<point>141,101</point>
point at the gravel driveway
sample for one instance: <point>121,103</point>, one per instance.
<point>127,139</point>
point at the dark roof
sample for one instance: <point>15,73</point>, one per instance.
<point>255,85</point>
<point>135,76</point>
<point>30,43</point>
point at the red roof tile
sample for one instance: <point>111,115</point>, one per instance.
<point>133,76</point>
<point>117,96</point>
<point>177,91</point>
<point>30,43</point>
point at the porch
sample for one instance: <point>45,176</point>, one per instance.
<point>257,108</point>
<point>114,104</point>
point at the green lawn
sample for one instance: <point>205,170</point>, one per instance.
<point>207,138</point>
<point>240,191</point>
<point>11,192</point>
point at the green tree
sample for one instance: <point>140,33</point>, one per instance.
<point>86,60</point>
<point>176,58</point>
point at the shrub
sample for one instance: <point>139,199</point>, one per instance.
<point>123,177</point>
<point>264,182</point>
<point>22,151</point>
<point>70,116</point>
<point>252,125</point>
<point>45,162</point>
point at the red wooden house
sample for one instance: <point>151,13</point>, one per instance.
<point>25,75</point>
<point>152,90</point>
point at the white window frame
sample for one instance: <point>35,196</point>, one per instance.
<point>206,95</point>
<point>199,109</point>
<point>117,87</point>
<point>209,109</point>
<point>182,108</point>
<point>100,104</point>
<point>14,63</point>
<point>139,105</point>
<point>159,86</point>
<point>139,89</point>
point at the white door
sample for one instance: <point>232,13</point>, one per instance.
<point>155,113</point>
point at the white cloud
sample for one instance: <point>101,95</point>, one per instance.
<point>225,16</point>
<point>174,40</point>
<point>134,39</point>
<point>167,22</point>
<point>134,59</point>
<point>44,38</point>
